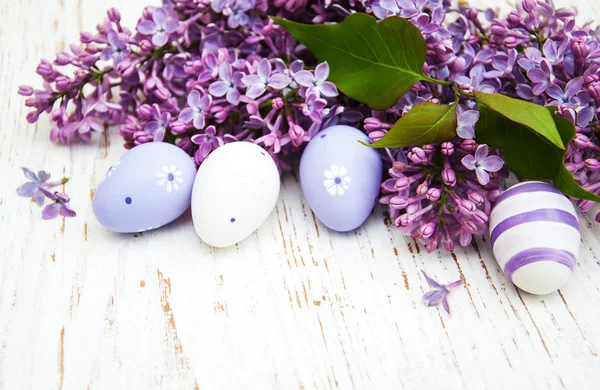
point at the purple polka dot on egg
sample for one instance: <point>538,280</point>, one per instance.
<point>263,153</point>
<point>323,135</point>
<point>128,200</point>
<point>232,220</point>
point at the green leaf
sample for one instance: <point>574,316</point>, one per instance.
<point>526,152</point>
<point>532,116</point>
<point>425,123</point>
<point>564,180</point>
<point>373,63</point>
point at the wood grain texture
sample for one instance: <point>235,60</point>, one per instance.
<point>294,306</point>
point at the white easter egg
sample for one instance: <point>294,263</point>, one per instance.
<point>235,190</point>
<point>534,232</point>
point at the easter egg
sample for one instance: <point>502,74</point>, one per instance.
<point>235,190</point>
<point>534,233</point>
<point>340,177</point>
<point>150,186</point>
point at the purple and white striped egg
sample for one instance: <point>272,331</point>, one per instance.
<point>534,232</point>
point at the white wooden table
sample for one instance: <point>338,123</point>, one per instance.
<point>295,306</point>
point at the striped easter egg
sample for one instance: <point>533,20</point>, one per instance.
<point>534,232</point>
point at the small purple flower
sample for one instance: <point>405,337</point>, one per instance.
<point>428,24</point>
<point>116,47</point>
<point>207,142</point>
<point>553,52</point>
<point>405,8</point>
<point>439,293</point>
<point>84,126</point>
<point>481,163</point>
<point>195,112</point>
<point>542,77</point>
<point>562,97</point>
<point>227,84</point>
<point>477,81</point>
<point>158,127</point>
<point>317,83</point>
<point>585,116</point>
<point>466,123</point>
<point>159,27</point>
<point>273,138</point>
<point>502,64</point>
<point>219,5</point>
<point>384,8</point>
<point>533,58</point>
<point>313,108</point>
<point>258,83</point>
<point>211,66</point>
<point>34,187</point>
<point>524,91</point>
<point>60,206</point>
<point>100,108</point>
<point>237,13</point>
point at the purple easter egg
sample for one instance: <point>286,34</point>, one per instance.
<point>340,177</point>
<point>150,186</point>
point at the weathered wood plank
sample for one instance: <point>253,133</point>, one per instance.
<point>294,306</point>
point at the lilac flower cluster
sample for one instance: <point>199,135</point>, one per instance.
<point>438,200</point>
<point>196,74</point>
<point>444,192</point>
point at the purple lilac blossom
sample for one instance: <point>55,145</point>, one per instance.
<point>317,83</point>
<point>482,164</point>
<point>466,120</point>
<point>179,71</point>
<point>209,141</point>
<point>194,113</point>
<point>35,186</point>
<point>227,85</point>
<point>264,77</point>
<point>60,206</point>
<point>116,48</point>
<point>159,27</point>
<point>440,292</point>
<point>159,123</point>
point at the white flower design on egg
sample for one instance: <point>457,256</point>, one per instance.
<point>169,176</point>
<point>337,181</point>
<point>249,188</point>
